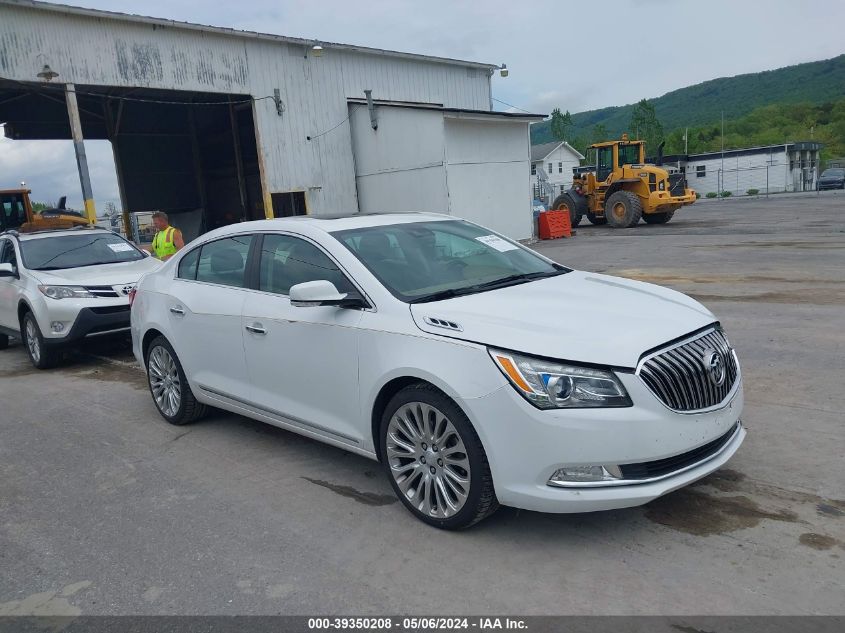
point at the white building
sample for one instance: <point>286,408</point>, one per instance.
<point>556,159</point>
<point>215,125</point>
<point>773,169</point>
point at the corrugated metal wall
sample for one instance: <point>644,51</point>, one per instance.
<point>111,52</point>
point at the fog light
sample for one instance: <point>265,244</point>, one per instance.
<point>57,326</point>
<point>582,474</point>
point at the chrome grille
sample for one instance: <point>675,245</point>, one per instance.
<point>681,377</point>
<point>104,292</point>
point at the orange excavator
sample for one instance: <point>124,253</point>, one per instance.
<point>16,213</point>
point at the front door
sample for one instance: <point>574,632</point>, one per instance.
<point>205,311</point>
<point>302,362</point>
<point>9,288</point>
<point>605,162</point>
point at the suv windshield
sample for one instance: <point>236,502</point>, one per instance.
<point>428,261</point>
<point>73,251</point>
<point>834,172</point>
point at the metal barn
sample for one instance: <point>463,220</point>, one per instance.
<point>215,125</point>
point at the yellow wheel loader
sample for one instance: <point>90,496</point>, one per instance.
<point>620,188</point>
<point>16,213</point>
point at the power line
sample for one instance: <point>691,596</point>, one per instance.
<point>334,127</point>
<point>510,105</point>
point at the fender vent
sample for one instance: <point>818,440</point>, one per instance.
<point>448,325</point>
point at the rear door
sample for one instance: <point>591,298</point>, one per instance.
<point>302,362</point>
<point>204,309</point>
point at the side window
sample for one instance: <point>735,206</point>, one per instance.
<point>188,265</point>
<point>287,261</point>
<point>605,158</point>
<point>7,253</point>
<point>224,261</point>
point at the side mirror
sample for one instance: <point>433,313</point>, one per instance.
<point>322,293</point>
<point>7,270</point>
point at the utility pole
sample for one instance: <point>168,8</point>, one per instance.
<point>79,148</point>
<point>722,169</point>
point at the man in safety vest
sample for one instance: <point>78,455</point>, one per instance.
<point>168,239</point>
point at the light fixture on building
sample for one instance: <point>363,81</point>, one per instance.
<point>317,50</point>
<point>503,70</point>
<point>47,73</point>
<point>23,184</point>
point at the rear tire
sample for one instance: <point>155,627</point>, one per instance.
<point>40,355</point>
<point>447,485</point>
<point>565,202</point>
<point>623,209</point>
<point>169,387</point>
<point>658,218</point>
<point>598,220</point>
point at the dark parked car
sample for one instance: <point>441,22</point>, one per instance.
<point>833,178</point>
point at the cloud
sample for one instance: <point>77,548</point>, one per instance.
<point>49,169</point>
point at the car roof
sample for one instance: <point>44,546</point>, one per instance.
<point>30,235</point>
<point>330,224</point>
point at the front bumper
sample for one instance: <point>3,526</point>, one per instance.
<point>525,446</point>
<point>823,186</point>
<point>94,321</point>
<point>665,201</point>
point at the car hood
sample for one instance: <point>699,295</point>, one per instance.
<point>578,316</point>
<point>100,275</point>
<point>831,178</point>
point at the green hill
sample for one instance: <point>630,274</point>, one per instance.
<point>702,104</point>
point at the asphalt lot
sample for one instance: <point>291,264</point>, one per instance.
<point>106,509</point>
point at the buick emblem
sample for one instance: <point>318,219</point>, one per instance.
<point>714,363</point>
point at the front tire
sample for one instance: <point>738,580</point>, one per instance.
<point>434,459</point>
<point>169,387</point>
<point>623,209</point>
<point>658,218</point>
<point>4,341</point>
<point>565,202</point>
<point>40,355</point>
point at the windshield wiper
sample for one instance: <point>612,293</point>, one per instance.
<point>511,280</point>
<point>443,294</point>
<point>503,282</point>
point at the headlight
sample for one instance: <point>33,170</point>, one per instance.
<point>65,292</point>
<point>551,385</point>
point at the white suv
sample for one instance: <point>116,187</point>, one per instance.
<point>476,370</point>
<point>61,287</point>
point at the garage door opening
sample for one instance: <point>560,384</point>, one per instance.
<point>288,204</point>
<point>191,154</point>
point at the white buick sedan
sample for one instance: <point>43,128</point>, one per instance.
<point>477,371</point>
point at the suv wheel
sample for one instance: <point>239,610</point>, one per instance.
<point>435,460</point>
<point>4,341</point>
<point>41,356</point>
<point>169,387</point>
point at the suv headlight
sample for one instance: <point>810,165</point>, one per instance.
<point>551,385</point>
<point>65,292</point>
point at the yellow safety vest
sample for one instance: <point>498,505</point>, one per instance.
<point>163,245</point>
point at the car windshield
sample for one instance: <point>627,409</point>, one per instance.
<point>428,261</point>
<point>74,251</point>
<point>834,173</point>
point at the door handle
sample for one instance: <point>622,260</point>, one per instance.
<point>255,329</point>
<point>178,310</point>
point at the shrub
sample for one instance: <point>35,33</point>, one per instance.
<point>697,195</point>
<point>726,194</point>
<point>752,192</point>
<point>711,194</point>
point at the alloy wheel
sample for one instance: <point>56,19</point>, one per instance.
<point>164,381</point>
<point>428,460</point>
<point>32,342</point>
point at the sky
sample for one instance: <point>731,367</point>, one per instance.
<point>570,54</point>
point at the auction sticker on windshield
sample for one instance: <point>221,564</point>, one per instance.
<point>494,241</point>
<point>120,247</point>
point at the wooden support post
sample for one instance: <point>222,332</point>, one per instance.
<point>79,148</point>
